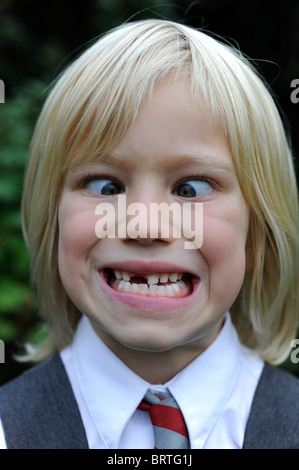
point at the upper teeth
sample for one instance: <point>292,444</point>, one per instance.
<point>151,278</point>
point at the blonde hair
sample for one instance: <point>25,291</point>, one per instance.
<point>90,109</point>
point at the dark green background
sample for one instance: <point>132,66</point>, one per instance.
<point>39,38</point>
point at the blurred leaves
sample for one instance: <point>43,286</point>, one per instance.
<point>18,302</point>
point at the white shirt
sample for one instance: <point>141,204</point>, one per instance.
<point>214,392</point>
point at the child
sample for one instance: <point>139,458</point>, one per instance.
<point>157,112</point>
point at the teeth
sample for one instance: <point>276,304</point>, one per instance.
<point>163,278</point>
<point>152,279</point>
<point>153,289</point>
<point>135,288</point>
<point>142,288</point>
<point>126,276</point>
<point>171,290</point>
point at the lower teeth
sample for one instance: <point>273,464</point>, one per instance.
<point>169,290</point>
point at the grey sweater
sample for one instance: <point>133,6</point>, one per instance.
<point>39,411</point>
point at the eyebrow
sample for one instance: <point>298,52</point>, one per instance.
<point>198,162</point>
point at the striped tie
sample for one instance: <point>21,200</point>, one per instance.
<point>170,430</point>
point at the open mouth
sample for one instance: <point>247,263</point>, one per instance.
<point>171,285</point>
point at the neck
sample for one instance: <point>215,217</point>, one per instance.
<point>156,367</point>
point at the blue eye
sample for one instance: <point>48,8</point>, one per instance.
<point>104,187</point>
<point>193,188</point>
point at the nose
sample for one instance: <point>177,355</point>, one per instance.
<point>151,218</point>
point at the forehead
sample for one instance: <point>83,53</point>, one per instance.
<point>173,128</point>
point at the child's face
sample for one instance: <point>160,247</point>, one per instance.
<point>174,152</point>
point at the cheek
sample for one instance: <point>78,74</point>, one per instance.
<point>224,241</point>
<point>76,238</point>
<point>224,254</point>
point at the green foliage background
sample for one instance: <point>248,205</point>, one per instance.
<point>37,41</point>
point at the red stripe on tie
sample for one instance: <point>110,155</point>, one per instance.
<point>168,417</point>
<point>143,406</point>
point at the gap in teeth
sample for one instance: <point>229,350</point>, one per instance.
<point>151,279</point>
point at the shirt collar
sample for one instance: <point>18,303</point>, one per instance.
<point>112,391</point>
<point>204,386</point>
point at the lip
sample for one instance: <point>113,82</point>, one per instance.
<point>148,303</point>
